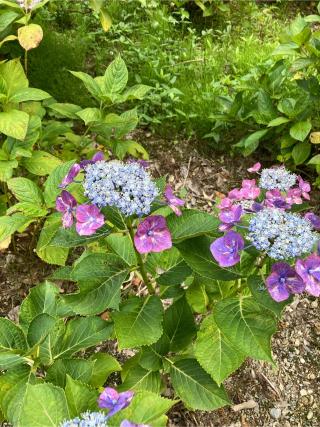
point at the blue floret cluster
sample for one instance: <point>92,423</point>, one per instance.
<point>277,178</point>
<point>127,187</point>
<point>88,419</point>
<point>281,234</point>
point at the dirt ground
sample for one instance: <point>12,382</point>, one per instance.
<point>263,396</point>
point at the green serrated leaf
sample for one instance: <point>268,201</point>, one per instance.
<point>179,325</point>
<point>139,322</point>
<point>247,325</point>
<point>195,387</point>
<point>214,351</point>
<point>81,333</point>
<point>80,397</point>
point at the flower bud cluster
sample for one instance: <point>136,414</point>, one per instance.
<point>127,187</point>
<point>281,234</point>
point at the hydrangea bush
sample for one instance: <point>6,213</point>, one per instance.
<point>191,294</point>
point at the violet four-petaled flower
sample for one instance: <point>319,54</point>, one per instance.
<point>249,190</point>
<point>68,179</point>
<point>283,281</point>
<point>230,217</point>
<point>66,204</point>
<point>114,401</point>
<point>173,201</point>
<point>152,235</point>
<point>309,271</point>
<point>89,219</point>
<point>225,250</point>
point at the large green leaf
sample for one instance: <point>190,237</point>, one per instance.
<point>300,130</point>
<point>51,186</point>
<point>9,360</point>
<point>13,74</point>
<point>39,328</point>
<point>115,77</point>
<point>145,408</point>
<point>69,238</point>
<point>138,378</point>
<point>6,18</point>
<point>10,224</point>
<point>191,224</point>
<point>80,397</point>
<point>301,152</point>
<point>139,322</point>
<point>39,405</point>
<point>104,365</point>
<point>6,169</point>
<point>89,82</point>
<point>106,273</point>
<point>123,247</point>
<point>78,369</point>
<point>197,255</point>
<point>11,336</point>
<point>14,123</point>
<point>179,325</point>
<point>247,325</point>
<point>214,351</point>
<point>48,253</point>
<point>25,190</point>
<point>10,379</point>
<point>41,163</point>
<point>195,387</point>
<point>29,94</point>
<point>81,333</point>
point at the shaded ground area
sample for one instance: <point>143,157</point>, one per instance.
<point>283,396</point>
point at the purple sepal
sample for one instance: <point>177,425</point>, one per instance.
<point>68,179</point>
<point>314,219</point>
<point>283,281</point>
<point>152,235</point>
<point>114,401</point>
<point>127,423</point>
<point>89,220</point>
<point>173,201</point>
<point>231,216</point>
<point>305,188</point>
<point>66,203</point>
<point>255,168</point>
<point>225,250</point>
<point>309,271</point>
<point>96,158</point>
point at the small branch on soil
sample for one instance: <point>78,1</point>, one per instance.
<point>250,404</point>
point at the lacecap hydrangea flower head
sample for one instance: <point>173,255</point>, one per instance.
<point>127,187</point>
<point>258,215</point>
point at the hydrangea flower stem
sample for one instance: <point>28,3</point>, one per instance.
<point>142,269</point>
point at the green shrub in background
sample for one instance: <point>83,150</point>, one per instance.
<point>57,54</point>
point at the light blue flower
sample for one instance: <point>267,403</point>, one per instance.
<point>87,419</point>
<point>281,234</point>
<point>277,178</point>
<point>127,187</point>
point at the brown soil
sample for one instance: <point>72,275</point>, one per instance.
<point>285,396</point>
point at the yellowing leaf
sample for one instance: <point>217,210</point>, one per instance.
<point>30,36</point>
<point>105,20</point>
<point>315,138</point>
<point>4,244</point>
